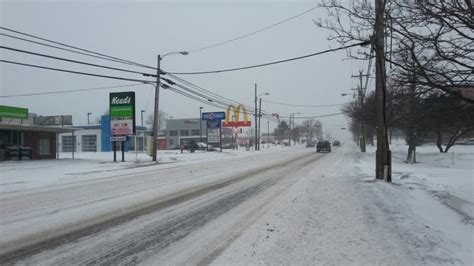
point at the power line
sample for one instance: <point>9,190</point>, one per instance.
<point>309,117</point>
<point>78,48</point>
<point>252,33</point>
<point>69,91</point>
<point>63,49</point>
<point>303,105</point>
<point>75,72</point>
<point>271,63</point>
<point>70,60</point>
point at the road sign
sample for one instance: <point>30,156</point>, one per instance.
<point>122,113</point>
<point>118,138</point>
<point>213,116</point>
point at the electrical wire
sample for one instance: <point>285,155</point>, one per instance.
<point>70,60</point>
<point>270,63</point>
<point>74,72</point>
<point>104,56</point>
<point>303,105</point>
<point>252,33</point>
<point>223,98</point>
<point>60,48</point>
<point>207,98</point>
<point>309,117</point>
<point>69,91</point>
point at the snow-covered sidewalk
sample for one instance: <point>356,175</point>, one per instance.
<point>343,216</point>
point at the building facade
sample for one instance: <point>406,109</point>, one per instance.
<point>182,132</point>
<point>21,138</point>
<point>96,138</point>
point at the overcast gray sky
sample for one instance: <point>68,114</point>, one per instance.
<point>139,30</point>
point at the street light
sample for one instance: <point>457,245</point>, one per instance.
<point>157,100</point>
<point>200,123</point>
<point>88,114</point>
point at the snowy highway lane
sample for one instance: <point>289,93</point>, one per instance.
<point>131,218</point>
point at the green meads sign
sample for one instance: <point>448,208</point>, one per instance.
<point>122,113</point>
<point>13,112</point>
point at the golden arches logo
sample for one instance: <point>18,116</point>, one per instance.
<point>236,122</point>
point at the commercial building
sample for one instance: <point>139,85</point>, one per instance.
<point>182,132</point>
<point>22,136</point>
<point>94,138</point>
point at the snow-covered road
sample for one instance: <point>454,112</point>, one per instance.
<point>39,218</point>
<point>291,206</point>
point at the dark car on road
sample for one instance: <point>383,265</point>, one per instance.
<point>323,145</point>
<point>336,143</point>
<point>310,144</point>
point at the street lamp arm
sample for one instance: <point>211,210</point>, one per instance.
<point>180,52</point>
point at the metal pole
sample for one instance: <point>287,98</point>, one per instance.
<point>256,124</point>
<point>259,118</point>
<point>200,124</point>
<point>142,111</point>
<point>123,150</point>
<point>268,134</point>
<point>155,112</point>
<point>383,156</point>
<point>289,134</point>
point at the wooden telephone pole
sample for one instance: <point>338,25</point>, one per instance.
<point>383,161</point>
<point>360,96</point>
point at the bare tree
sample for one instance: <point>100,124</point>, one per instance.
<point>162,116</point>
<point>436,36</point>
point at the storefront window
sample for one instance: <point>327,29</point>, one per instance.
<point>173,132</point>
<point>184,132</point>
<point>194,132</point>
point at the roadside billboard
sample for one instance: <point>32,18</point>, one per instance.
<point>122,113</point>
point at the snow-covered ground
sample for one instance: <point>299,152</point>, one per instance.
<point>317,209</point>
<point>343,216</point>
<point>22,175</point>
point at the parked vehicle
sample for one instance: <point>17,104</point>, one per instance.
<point>323,145</point>
<point>336,143</point>
<point>174,147</point>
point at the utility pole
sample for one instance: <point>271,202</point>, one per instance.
<point>361,95</point>
<point>155,112</point>
<point>200,124</point>
<point>142,111</point>
<point>259,119</point>
<point>289,133</point>
<point>256,147</point>
<point>383,162</point>
<point>268,134</point>
<point>88,114</point>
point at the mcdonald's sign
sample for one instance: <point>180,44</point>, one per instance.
<point>234,121</point>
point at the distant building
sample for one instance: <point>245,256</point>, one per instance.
<point>181,132</point>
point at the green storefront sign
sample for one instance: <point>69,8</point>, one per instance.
<point>13,112</point>
<point>122,113</point>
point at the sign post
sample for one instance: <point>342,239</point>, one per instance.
<point>122,118</point>
<point>214,128</point>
